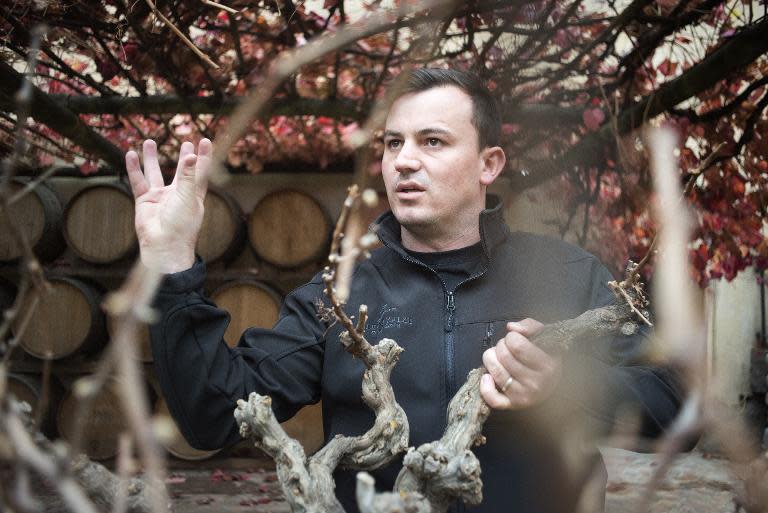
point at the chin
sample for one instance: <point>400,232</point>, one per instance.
<point>412,220</point>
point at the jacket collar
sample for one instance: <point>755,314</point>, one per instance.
<point>493,229</point>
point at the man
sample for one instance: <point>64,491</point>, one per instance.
<point>451,285</point>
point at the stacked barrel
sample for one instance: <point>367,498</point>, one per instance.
<point>83,233</point>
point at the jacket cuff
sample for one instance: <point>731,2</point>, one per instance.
<point>183,282</point>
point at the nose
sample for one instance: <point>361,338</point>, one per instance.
<point>407,159</point>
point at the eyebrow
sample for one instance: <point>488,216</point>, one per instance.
<point>423,132</point>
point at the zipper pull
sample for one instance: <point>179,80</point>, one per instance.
<point>488,335</point>
<point>451,307</point>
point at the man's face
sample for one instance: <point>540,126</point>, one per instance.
<point>432,163</point>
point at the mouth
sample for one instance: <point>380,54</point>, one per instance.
<point>409,188</point>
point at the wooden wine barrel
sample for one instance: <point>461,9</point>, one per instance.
<point>7,294</point>
<point>144,349</point>
<point>100,428</point>
<point>249,303</point>
<point>26,388</point>
<point>99,224</point>
<point>222,234</point>
<point>288,228</point>
<point>29,388</point>
<point>67,320</point>
<point>39,216</point>
<point>179,446</point>
<point>307,427</point>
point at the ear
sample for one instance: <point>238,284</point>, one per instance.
<point>492,161</point>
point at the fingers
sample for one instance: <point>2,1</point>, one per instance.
<point>528,327</point>
<point>501,375</point>
<point>139,185</point>
<point>152,165</point>
<point>494,367</point>
<point>203,166</point>
<point>187,148</point>
<point>526,352</point>
<point>526,376</point>
<point>520,371</point>
<point>186,179</point>
<point>492,395</point>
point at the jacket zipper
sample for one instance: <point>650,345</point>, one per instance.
<point>450,317</point>
<point>450,322</point>
<point>488,334</point>
<point>450,307</point>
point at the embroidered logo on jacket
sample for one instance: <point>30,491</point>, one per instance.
<point>388,317</point>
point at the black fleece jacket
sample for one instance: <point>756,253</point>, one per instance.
<point>444,333</point>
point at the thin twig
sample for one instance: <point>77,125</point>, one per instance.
<point>289,62</point>
<point>131,307</point>
<point>181,35</point>
<point>220,6</point>
<point>31,456</point>
<point>124,459</point>
<point>702,168</point>
<point>618,288</point>
<point>30,186</point>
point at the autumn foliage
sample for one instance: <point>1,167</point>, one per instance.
<point>576,81</point>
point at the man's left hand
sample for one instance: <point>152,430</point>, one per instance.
<point>520,374</point>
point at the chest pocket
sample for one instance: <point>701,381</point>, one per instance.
<point>472,339</point>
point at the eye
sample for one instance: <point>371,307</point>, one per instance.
<point>433,142</point>
<point>392,144</point>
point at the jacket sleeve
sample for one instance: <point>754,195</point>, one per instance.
<point>616,378</point>
<point>202,378</point>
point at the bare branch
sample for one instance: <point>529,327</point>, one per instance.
<point>46,111</point>
<point>735,53</point>
<point>181,35</point>
<point>288,62</point>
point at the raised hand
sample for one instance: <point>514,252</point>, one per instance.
<point>169,217</point>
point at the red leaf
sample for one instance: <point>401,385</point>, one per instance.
<point>737,185</point>
<point>89,167</point>
<point>130,51</point>
<point>667,68</point>
<point>593,118</point>
<point>107,68</point>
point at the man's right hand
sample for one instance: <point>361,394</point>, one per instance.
<point>169,217</point>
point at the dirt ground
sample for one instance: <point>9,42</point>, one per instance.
<point>696,483</point>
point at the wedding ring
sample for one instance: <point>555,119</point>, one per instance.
<point>507,384</point>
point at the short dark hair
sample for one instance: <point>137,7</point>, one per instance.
<point>485,111</point>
